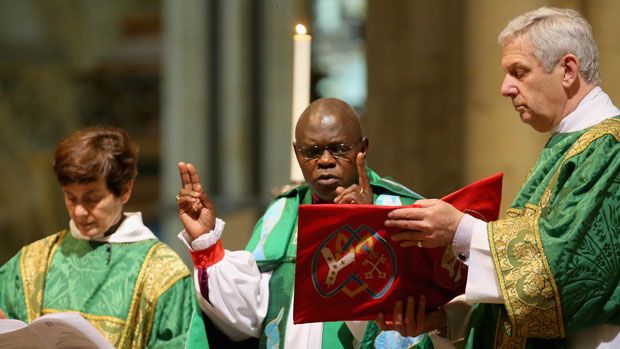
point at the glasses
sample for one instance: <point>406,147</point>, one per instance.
<point>338,150</point>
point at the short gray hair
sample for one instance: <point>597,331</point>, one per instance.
<point>554,32</point>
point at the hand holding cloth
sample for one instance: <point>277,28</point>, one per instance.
<point>348,269</point>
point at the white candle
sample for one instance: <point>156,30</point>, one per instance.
<point>301,88</point>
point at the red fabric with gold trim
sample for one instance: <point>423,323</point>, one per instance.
<point>207,257</point>
<point>348,268</point>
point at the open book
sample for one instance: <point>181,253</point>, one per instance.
<point>348,268</point>
<point>60,330</point>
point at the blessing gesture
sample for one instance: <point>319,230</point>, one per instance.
<point>196,210</point>
<point>360,193</point>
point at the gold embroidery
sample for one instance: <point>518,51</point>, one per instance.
<point>451,264</point>
<point>607,127</point>
<point>530,294</point>
<point>532,300</point>
<point>513,212</point>
<point>34,262</point>
<point>161,269</point>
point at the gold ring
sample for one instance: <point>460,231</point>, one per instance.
<point>178,199</point>
<point>419,244</point>
<point>362,191</point>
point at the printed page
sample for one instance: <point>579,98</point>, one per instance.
<point>56,331</point>
<point>68,330</point>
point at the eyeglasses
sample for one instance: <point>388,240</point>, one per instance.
<point>338,150</point>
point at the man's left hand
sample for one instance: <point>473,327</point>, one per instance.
<point>432,223</point>
<point>360,193</point>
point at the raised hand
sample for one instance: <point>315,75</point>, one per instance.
<point>360,193</point>
<point>196,210</point>
<point>432,223</point>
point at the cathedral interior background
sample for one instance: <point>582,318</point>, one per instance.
<point>210,82</point>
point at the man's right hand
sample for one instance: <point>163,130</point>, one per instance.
<point>196,210</point>
<point>414,320</point>
<point>2,316</point>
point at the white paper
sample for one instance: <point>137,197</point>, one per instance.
<point>57,331</point>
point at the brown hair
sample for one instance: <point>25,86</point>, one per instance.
<point>94,153</point>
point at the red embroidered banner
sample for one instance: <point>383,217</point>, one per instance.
<point>349,269</point>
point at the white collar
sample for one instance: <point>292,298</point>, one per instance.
<point>595,107</point>
<point>131,230</point>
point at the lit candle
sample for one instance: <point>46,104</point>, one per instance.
<point>301,88</point>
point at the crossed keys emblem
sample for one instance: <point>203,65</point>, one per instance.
<point>353,261</point>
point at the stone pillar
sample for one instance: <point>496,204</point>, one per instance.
<point>234,84</point>
<point>414,117</point>
<point>602,15</point>
<point>184,118</point>
<point>275,61</point>
<point>495,138</point>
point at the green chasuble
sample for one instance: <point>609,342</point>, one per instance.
<point>137,294</point>
<point>557,253</point>
<point>274,246</point>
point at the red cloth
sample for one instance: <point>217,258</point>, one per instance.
<point>207,257</point>
<point>348,268</point>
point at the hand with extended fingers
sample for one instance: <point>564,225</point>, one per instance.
<point>196,210</point>
<point>360,193</point>
<point>412,322</point>
<point>431,223</point>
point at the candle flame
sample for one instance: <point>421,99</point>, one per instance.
<point>300,29</point>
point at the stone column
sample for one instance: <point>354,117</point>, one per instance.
<point>234,82</point>
<point>275,61</point>
<point>495,138</point>
<point>184,118</point>
<point>414,117</point>
<point>602,15</point>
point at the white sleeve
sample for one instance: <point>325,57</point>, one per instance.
<point>482,283</point>
<point>238,291</point>
<point>457,312</point>
<point>238,295</point>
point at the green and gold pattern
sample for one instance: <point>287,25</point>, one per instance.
<point>160,270</point>
<point>116,287</point>
<point>557,252</point>
<point>530,294</point>
<point>34,261</point>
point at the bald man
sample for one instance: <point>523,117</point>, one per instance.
<point>248,294</point>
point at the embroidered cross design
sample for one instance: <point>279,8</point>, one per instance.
<point>335,265</point>
<point>375,268</point>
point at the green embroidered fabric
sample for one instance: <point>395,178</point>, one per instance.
<point>557,252</point>
<point>136,294</point>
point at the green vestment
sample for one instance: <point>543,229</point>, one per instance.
<point>137,294</point>
<point>557,253</point>
<point>274,246</point>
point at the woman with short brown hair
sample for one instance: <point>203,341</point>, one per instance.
<point>108,265</point>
